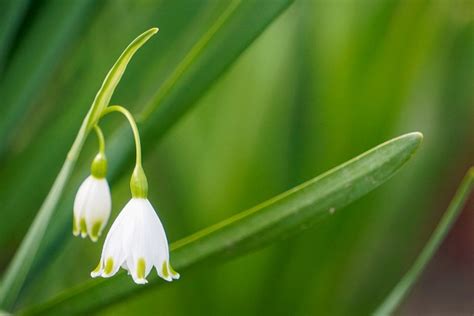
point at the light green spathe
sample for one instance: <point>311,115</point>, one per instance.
<point>19,267</point>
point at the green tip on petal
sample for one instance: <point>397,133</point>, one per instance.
<point>95,231</point>
<point>75,229</point>
<point>82,225</point>
<point>139,183</point>
<point>164,270</point>
<point>173,272</point>
<point>109,265</point>
<point>97,269</point>
<point>141,266</point>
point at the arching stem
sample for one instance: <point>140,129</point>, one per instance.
<point>133,125</point>
<point>100,138</point>
<point>138,181</point>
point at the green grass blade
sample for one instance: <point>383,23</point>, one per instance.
<point>23,259</point>
<point>34,60</point>
<point>11,14</point>
<point>403,287</point>
<point>291,211</point>
<point>21,264</point>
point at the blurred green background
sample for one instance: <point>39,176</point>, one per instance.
<point>324,82</point>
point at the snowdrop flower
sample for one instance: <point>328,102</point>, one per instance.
<point>136,241</point>
<point>93,202</point>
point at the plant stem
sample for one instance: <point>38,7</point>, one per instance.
<point>100,138</point>
<point>133,125</point>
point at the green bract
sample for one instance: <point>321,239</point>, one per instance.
<point>112,79</point>
<point>99,166</point>
<point>138,183</point>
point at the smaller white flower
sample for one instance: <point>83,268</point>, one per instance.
<point>136,242</point>
<point>92,207</point>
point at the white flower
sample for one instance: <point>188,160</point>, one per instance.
<point>136,242</point>
<point>91,207</point>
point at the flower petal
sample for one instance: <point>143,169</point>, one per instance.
<point>98,208</point>
<point>92,207</point>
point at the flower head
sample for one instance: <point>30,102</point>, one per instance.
<point>93,202</point>
<point>136,242</point>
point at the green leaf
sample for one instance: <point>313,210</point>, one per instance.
<point>112,79</point>
<point>403,287</point>
<point>286,213</point>
<point>11,14</point>
<point>21,264</point>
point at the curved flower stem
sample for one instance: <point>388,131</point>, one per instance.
<point>100,138</point>
<point>133,125</point>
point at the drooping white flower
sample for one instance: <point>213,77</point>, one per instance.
<point>92,207</point>
<point>136,242</point>
<point>93,202</point>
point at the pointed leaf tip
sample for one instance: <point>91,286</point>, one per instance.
<point>471,172</point>
<point>415,136</point>
<point>418,135</point>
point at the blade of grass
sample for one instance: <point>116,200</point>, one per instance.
<point>403,287</point>
<point>37,55</point>
<point>12,13</point>
<point>20,266</point>
<point>286,213</point>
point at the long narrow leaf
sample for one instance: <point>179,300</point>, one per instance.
<point>286,213</point>
<point>403,287</point>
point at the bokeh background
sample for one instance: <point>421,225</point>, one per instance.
<point>324,82</point>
